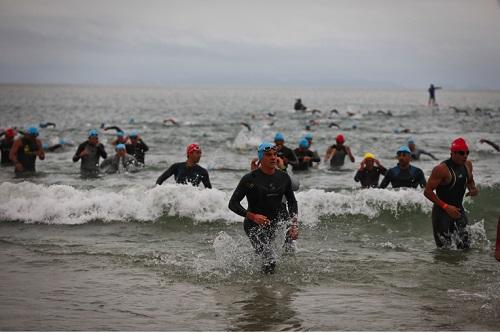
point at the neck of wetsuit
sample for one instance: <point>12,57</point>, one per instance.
<point>268,170</point>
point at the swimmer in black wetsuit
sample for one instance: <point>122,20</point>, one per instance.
<point>337,153</point>
<point>284,153</point>
<point>450,179</point>
<point>305,156</point>
<point>89,153</point>
<point>6,145</point>
<point>416,152</point>
<point>494,145</point>
<point>137,148</point>
<point>316,158</point>
<point>24,152</point>
<point>404,174</point>
<point>369,171</point>
<point>189,171</point>
<point>298,106</point>
<point>264,189</point>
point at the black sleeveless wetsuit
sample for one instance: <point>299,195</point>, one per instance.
<point>6,146</point>
<point>444,226</point>
<point>184,174</point>
<point>369,178</point>
<point>26,155</point>
<point>264,194</point>
<point>338,159</point>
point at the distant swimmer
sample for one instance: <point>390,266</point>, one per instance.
<point>334,111</point>
<point>404,174</point>
<point>264,189</point>
<point>189,171</point>
<point>47,124</point>
<point>247,126</point>
<point>369,171</point>
<point>416,152</point>
<point>449,180</point>
<point>316,158</point>
<point>25,150</point>
<point>432,95</point>
<point>336,153</point>
<point>172,121</point>
<point>494,145</point>
<point>121,162</point>
<point>136,147</point>
<point>107,128</point>
<point>89,153</point>
<point>6,145</point>
<point>284,153</point>
<point>385,113</point>
<point>298,106</point>
<point>333,124</point>
<point>457,110</point>
<point>305,156</point>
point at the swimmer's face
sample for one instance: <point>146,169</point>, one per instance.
<point>93,140</point>
<point>369,162</point>
<point>411,146</point>
<point>460,157</point>
<point>404,159</point>
<point>270,159</point>
<point>279,143</point>
<point>121,152</point>
<point>195,156</point>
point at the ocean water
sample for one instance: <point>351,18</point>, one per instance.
<point>119,253</point>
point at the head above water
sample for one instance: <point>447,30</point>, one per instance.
<point>120,146</point>
<point>120,134</point>
<point>263,148</point>
<point>340,139</point>
<point>459,151</point>
<point>10,133</point>
<point>303,143</point>
<point>93,133</point>
<point>368,156</point>
<point>279,137</point>
<point>133,134</point>
<point>33,131</point>
<point>308,136</point>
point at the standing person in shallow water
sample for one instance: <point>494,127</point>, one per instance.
<point>337,153</point>
<point>432,95</point>
<point>369,171</point>
<point>284,153</point>
<point>137,148</point>
<point>89,153</point>
<point>189,171</point>
<point>6,145</point>
<point>264,189</point>
<point>404,174</point>
<point>450,179</point>
<point>24,152</point>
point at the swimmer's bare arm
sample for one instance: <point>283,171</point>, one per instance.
<point>330,152</point>
<point>40,152</point>
<point>440,175</point>
<point>351,157</point>
<point>13,155</point>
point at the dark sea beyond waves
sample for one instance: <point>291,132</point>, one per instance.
<point>119,253</point>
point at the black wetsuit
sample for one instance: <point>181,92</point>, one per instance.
<point>445,227</point>
<point>338,159</point>
<point>409,177</point>
<point>286,152</point>
<point>264,194</point>
<point>138,150</point>
<point>184,174</point>
<point>301,165</point>
<point>298,106</point>
<point>26,155</point>
<point>90,162</point>
<point>369,178</point>
<point>6,146</point>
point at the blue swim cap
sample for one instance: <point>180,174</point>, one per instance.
<point>410,141</point>
<point>308,136</point>
<point>133,134</point>
<point>32,131</point>
<point>404,149</point>
<point>303,143</point>
<point>279,137</point>
<point>45,146</point>
<point>120,133</point>
<point>62,141</point>
<point>120,146</point>
<point>263,147</point>
<point>93,132</point>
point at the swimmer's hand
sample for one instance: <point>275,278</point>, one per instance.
<point>453,212</point>
<point>472,192</point>
<point>257,218</point>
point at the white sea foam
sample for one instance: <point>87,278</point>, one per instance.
<point>62,204</point>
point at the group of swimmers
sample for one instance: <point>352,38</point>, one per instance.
<point>269,189</point>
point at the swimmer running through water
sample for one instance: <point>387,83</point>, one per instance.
<point>264,189</point>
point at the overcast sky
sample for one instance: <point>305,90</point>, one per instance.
<point>370,43</point>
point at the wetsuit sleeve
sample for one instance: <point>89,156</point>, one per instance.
<point>382,170</point>
<point>169,172</point>
<point>102,151</point>
<point>239,193</point>
<point>79,150</point>
<point>292,158</point>
<point>206,180</point>
<point>421,179</point>
<point>144,146</point>
<point>428,154</point>
<point>116,128</point>
<point>357,176</point>
<point>386,180</point>
<point>293,208</point>
<point>315,157</point>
